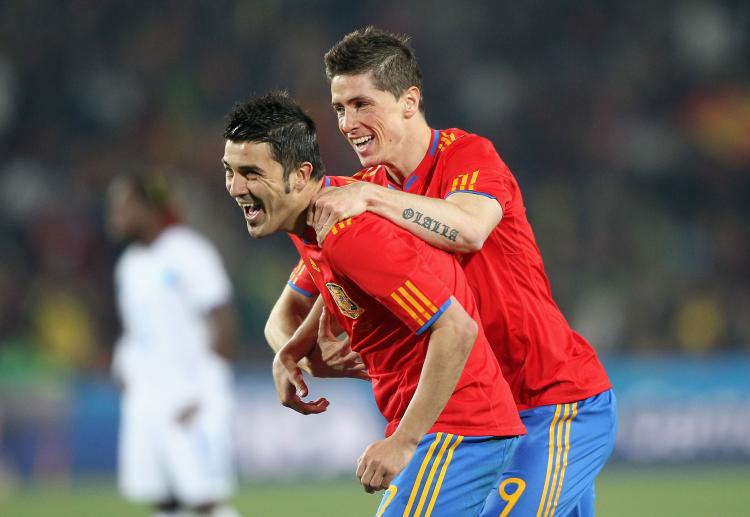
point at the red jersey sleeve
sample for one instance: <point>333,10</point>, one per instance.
<point>301,281</point>
<point>473,166</point>
<point>397,269</point>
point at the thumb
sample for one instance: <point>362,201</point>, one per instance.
<point>325,324</point>
<point>311,214</point>
<point>295,376</point>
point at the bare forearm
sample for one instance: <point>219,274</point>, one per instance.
<point>436,221</point>
<point>448,350</point>
<point>286,317</point>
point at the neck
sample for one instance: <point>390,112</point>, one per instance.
<point>299,217</point>
<point>411,152</point>
<point>151,231</point>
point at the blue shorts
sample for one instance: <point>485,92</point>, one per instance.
<point>449,476</point>
<point>553,469</point>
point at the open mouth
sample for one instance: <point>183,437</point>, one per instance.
<point>361,142</point>
<point>252,210</point>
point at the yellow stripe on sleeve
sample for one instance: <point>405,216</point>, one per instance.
<point>414,303</point>
<point>407,308</point>
<point>464,180</point>
<point>426,301</point>
<point>422,468</point>
<point>473,179</point>
<point>439,483</point>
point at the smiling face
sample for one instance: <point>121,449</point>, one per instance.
<point>373,121</point>
<point>256,182</point>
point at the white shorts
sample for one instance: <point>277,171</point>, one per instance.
<point>160,460</point>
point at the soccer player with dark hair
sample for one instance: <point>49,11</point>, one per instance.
<point>452,422</point>
<point>451,189</point>
<point>173,296</point>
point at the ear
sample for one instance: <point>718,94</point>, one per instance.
<point>301,176</point>
<point>410,99</point>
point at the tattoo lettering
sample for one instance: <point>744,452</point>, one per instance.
<point>430,224</point>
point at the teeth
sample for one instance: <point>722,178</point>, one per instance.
<point>361,140</point>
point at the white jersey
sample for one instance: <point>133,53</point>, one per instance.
<point>164,292</point>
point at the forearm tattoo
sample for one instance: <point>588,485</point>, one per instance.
<point>431,224</point>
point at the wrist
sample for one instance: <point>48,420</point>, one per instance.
<point>406,437</point>
<point>371,195</point>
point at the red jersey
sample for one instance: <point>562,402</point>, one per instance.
<point>542,358</point>
<point>386,288</point>
<point>301,281</point>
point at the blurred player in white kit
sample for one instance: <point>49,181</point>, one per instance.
<point>173,298</point>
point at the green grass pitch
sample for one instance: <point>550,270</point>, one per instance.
<point>645,492</point>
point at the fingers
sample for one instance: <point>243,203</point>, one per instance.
<point>350,360</point>
<point>294,374</point>
<point>309,408</point>
<point>371,476</point>
<point>324,326</point>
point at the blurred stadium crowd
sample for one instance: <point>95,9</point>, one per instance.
<point>627,125</point>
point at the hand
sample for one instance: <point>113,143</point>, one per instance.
<point>187,414</point>
<point>382,461</point>
<point>333,357</point>
<point>291,387</point>
<point>332,205</point>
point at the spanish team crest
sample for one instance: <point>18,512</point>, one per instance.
<point>346,304</point>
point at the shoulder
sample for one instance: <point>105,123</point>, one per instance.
<point>366,236</point>
<point>454,141</point>
<point>338,181</point>
<point>180,237</point>
<point>368,173</point>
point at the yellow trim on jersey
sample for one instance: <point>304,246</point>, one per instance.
<point>414,302</point>
<point>421,296</point>
<point>474,176</point>
<point>467,181</point>
<point>439,484</point>
<point>549,458</point>
<point>297,271</point>
<point>366,173</point>
<point>422,468</point>
<point>446,139</point>
<point>337,227</point>
<point>407,308</point>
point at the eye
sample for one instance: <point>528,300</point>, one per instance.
<point>360,104</point>
<point>228,172</point>
<point>339,110</point>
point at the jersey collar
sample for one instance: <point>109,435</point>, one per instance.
<point>424,165</point>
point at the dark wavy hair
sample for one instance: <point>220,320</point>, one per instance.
<point>388,56</point>
<point>276,119</point>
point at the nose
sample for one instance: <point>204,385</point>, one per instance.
<point>237,186</point>
<point>347,121</point>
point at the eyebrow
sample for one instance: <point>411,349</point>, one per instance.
<point>352,99</point>
<point>244,169</point>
